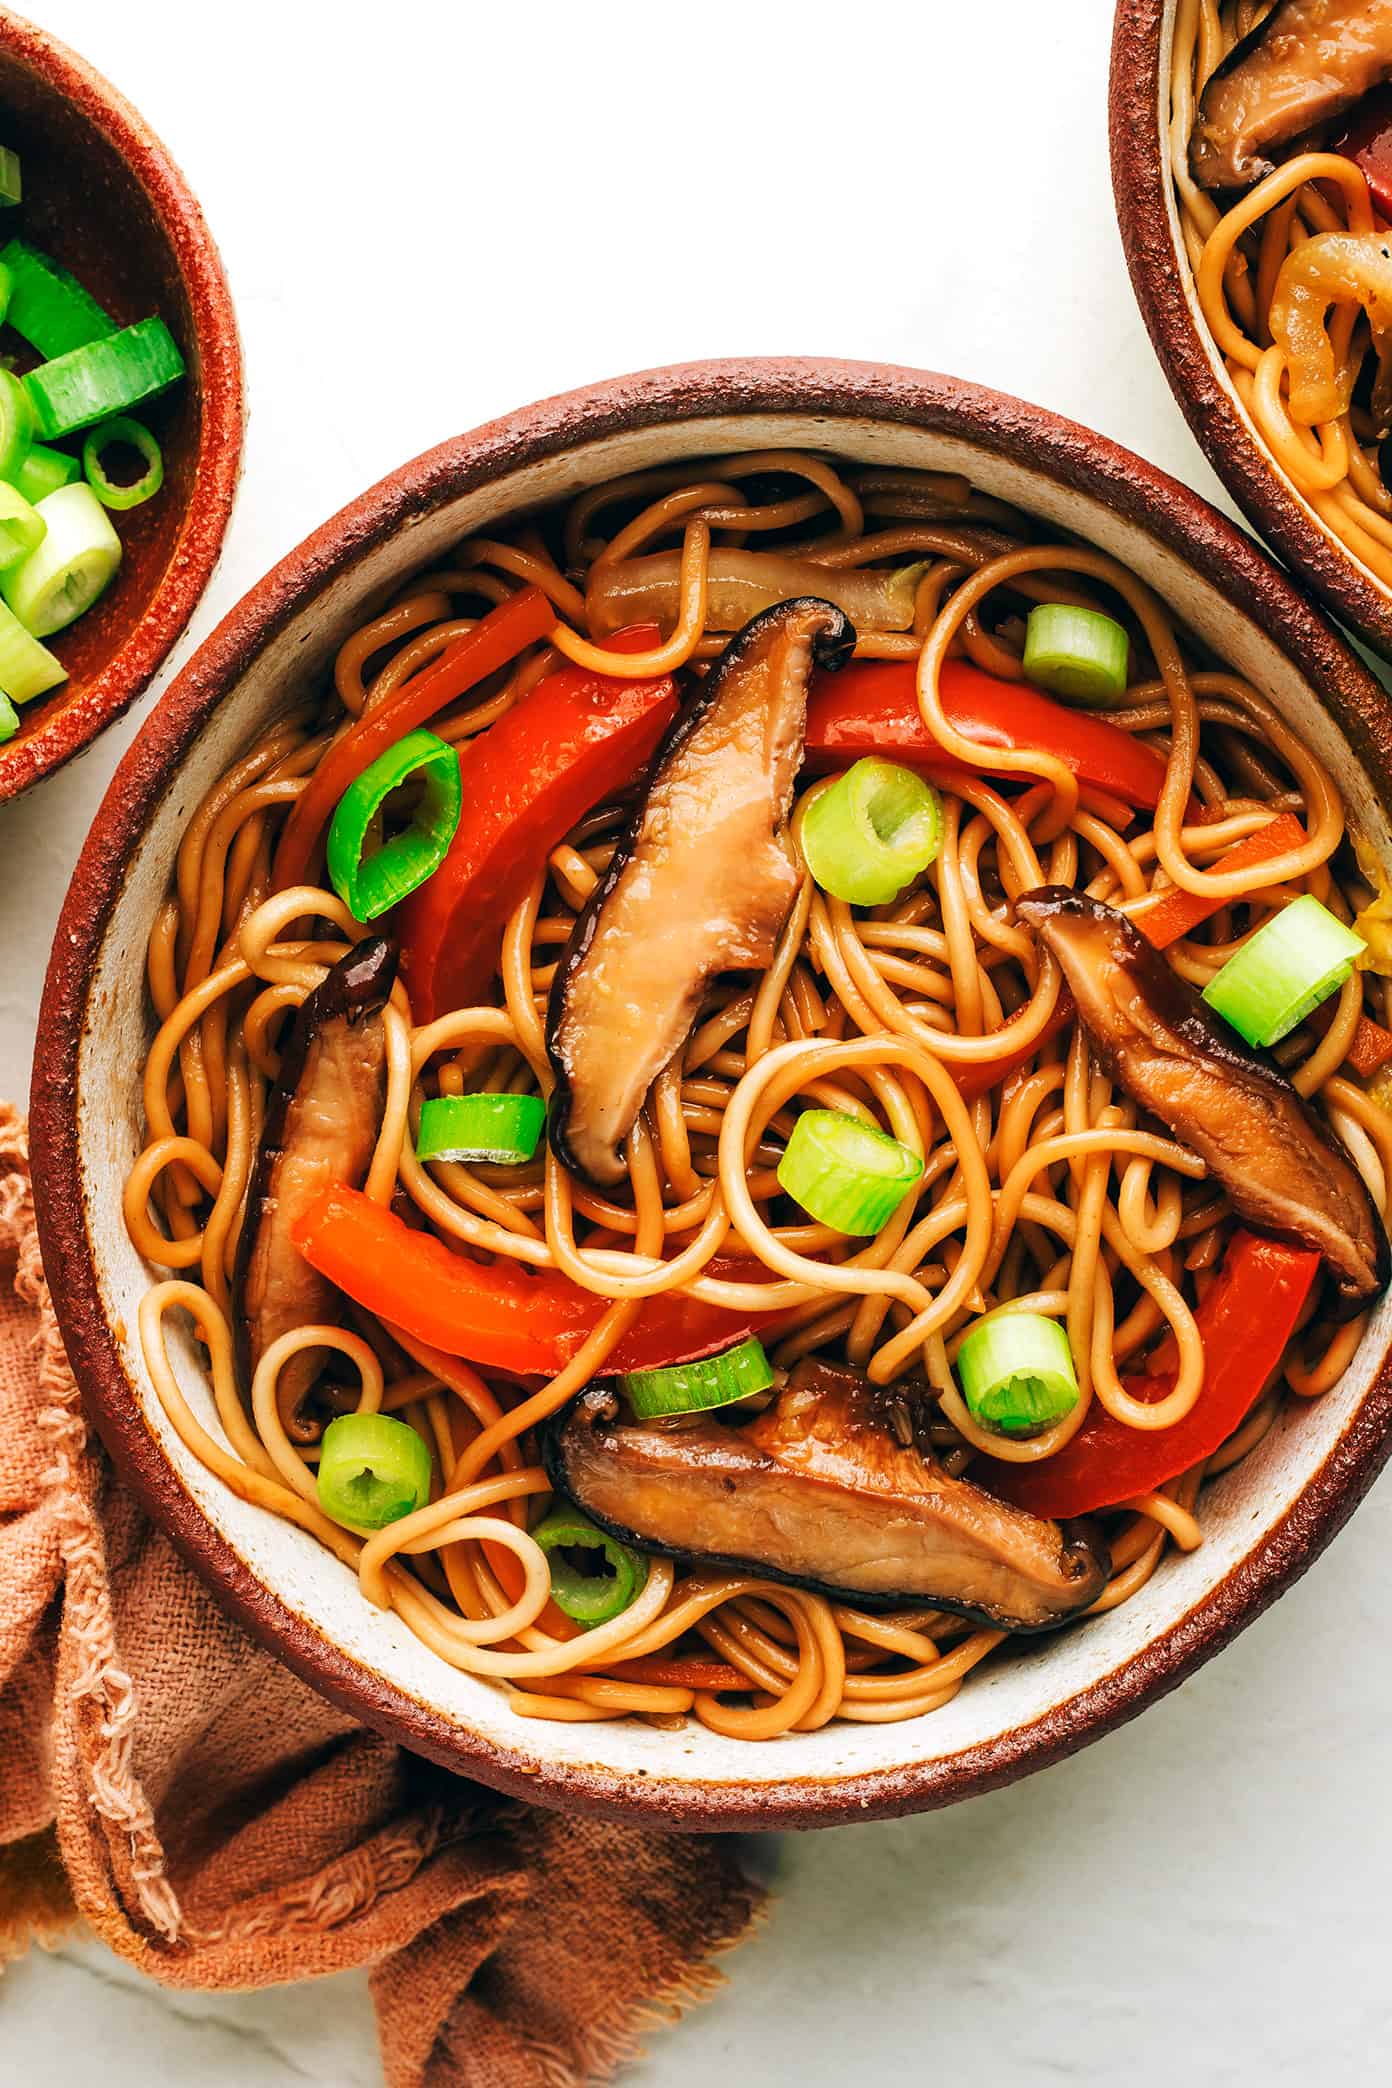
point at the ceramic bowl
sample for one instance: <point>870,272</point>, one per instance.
<point>1164,285</point>
<point>102,194</point>
<point>1264,1523</point>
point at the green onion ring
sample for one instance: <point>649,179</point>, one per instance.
<point>111,492</point>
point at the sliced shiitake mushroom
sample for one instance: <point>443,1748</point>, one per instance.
<point>321,1126</point>
<point>701,883</point>
<point>818,1491</point>
<point>1284,1171</point>
<point>1303,64</point>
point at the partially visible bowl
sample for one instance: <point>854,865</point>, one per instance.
<point>103,195</point>
<point>1265,1521</point>
<point>1163,281</point>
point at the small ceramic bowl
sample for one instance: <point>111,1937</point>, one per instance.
<point>1163,281</point>
<point>102,194</point>
<point>1264,1522</point>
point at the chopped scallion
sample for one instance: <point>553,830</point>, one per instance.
<point>503,1129</point>
<point>73,564</point>
<point>48,306</point>
<point>11,183</point>
<point>22,527</point>
<point>371,875</point>
<point>1295,961</point>
<point>16,424</point>
<point>123,493</point>
<point>27,668</point>
<point>691,1388</point>
<point>1016,1373</point>
<point>1078,654</point>
<point>844,1173</point>
<point>103,378</point>
<point>589,1598</point>
<point>871,832</point>
<point>373,1470</point>
<point>43,470</point>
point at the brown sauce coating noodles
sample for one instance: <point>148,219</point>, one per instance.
<point>1044,1187</point>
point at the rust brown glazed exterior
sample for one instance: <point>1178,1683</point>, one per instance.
<point>104,194</point>
<point>835,393</point>
<point>1141,184</point>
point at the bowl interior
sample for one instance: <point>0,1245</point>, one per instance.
<point>85,203</point>
<point>607,1764</point>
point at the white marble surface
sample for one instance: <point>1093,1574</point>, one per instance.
<point>414,245</point>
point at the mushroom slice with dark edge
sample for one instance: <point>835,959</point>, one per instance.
<point>1283,1170</point>
<point>817,1491</point>
<point>1303,64</point>
<point>700,884</point>
<point>321,1125</point>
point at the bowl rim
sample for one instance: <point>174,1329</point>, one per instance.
<point>1089,463</point>
<point>1141,189</point>
<point>217,465</point>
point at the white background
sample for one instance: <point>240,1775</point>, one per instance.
<point>431,213</point>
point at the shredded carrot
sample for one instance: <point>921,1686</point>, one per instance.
<point>679,1674</point>
<point>1176,914</point>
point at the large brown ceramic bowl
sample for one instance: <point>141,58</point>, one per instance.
<point>102,194</point>
<point>1164,285</point>
<point>1264,1522</point>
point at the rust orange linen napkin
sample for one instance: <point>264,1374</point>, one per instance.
<point>220,1825</point>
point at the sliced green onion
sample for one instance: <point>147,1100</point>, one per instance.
<point>16,424</point>
<point>42,471</point>
<point>845,1173</point>
<point>104,377</point>
<point>872,832</point>
<point>1078,654</point>
<point>6,289</point>
<point>711,1381</point>
<point>118,493</point>
<point>1016,1373</point>
<point>26,667</point>
<point>11,186</point>
<point>22,527</point>
<point>370,875</point>
<point>9,719</point>
<point>372,1470</point>
<point>504,1129</point>
<point>1295,961</point>
<point>50,307</point>
<point>589,1598</point>
<point>74,563</point>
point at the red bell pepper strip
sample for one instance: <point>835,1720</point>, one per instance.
<point>871,707</point>
<point>980,1077</point>
<point>501,1315</point>
<point>1367,140</point>
<point>497,638</point>
<point>1245,1320</point>
<point>575,739</point>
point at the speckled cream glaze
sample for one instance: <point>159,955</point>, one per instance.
<point>103,193</point>
<point>1264,1522</point>
<point>1148,215</point>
